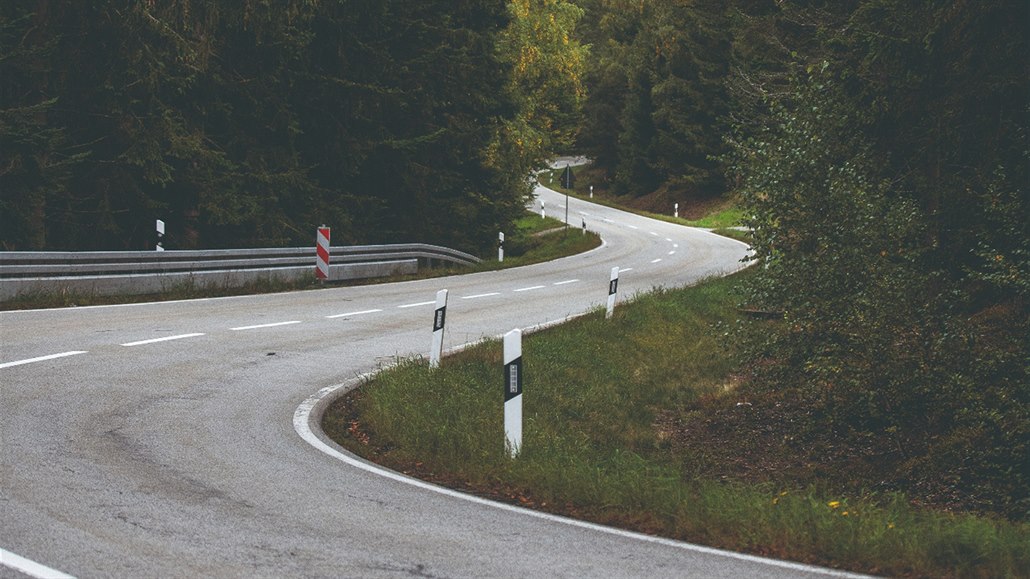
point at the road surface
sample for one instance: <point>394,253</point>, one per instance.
<point>158,440</point>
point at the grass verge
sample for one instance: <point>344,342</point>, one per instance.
<point>604,403</point>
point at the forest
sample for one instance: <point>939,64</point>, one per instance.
<point>878,149</point>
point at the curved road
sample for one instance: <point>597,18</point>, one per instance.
<point>158,440</point>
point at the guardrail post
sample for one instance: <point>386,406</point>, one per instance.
<point>160,226</point>
<point>439,317</point>
<point>322,253</point>
<point>613,289</point>
<point>513,392</point>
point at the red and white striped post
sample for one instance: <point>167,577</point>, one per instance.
<point>439,317</point>
<point>613,288</point>
<point>513,392</point>
<point>322,252</point>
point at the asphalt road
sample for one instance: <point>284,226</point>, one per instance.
<point>171,439</point>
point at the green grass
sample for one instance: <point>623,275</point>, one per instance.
<point>594,392</point>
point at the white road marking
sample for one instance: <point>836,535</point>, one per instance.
<point>675,245</point>
<point>526,289</point>
<point>632,227</point>
<point>654,234</point>
<point>165,339</point>
<point>625,269</point>
<point>673,252</point>
<point>568,281</point>
<point>656,260</point>
<point>361,313</point>
<point>259,326</point>
<point>41,358</point>
<point>432,303</point>
<point>311,410</point>
<point>480,296</point>
<point>29,567</point>
<point>669,240</point>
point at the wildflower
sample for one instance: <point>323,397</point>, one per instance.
<point>833,504</point>
<point>844,514</point>
<point>890,525</point>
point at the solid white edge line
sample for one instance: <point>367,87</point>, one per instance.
<point>353,314</point>
<point>42,358</point>
<point>491,294</point>
<point>29,567</point>
<point>432,303</point>
<point>311,410</point>
<point>259,326</point>
<point>165,339</point>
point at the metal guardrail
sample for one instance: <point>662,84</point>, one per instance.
<point>134,272</point>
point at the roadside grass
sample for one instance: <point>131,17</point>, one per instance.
<point>595,394</point>
<point>535,240</point>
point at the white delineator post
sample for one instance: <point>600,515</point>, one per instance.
<point>439,317</point>
<point>513,392</point>
<point>676,210</point>
<point>613,288</point>
<point>160,225</point>
<point>322,253</point>
<point>500,246</point>
<point>591,191</point>
<point>543,209</point>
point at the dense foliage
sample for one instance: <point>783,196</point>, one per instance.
<point>887,186</point>
<point>880,151</point>
<point>250,123</point>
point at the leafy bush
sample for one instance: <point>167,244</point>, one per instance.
<point>877,335</point>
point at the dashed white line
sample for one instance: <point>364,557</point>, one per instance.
<point>654,234</point>
<point>673,252</point>
<point>164,339</point>
<point>625,269</point>
<point>656,260</point>
<point>432,303</point>
<point>41,358</point>
<point>566,282</point>
<point>361,313</point>
<point>259,326</point>
<point>526,289</point>
<point>491,294</point>
<point>675,245</point>
<point>669,240</point>
<point>632,227</point>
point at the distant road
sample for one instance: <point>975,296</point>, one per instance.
<point>157,440</point>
